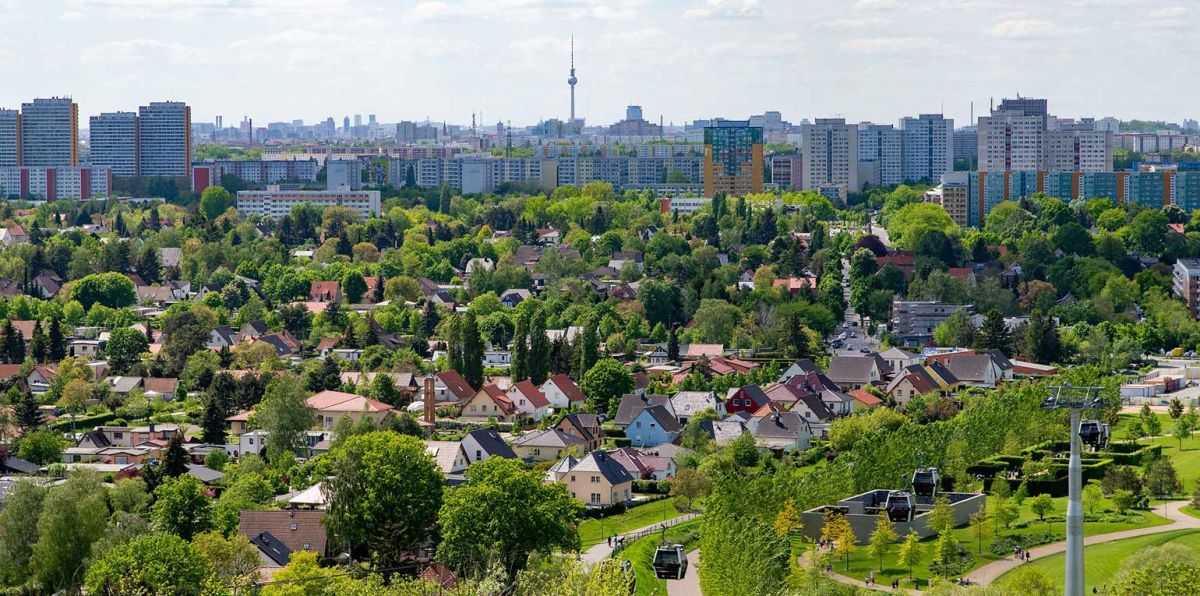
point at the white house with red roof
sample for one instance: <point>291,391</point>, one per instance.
<point>529,400</point>
<point>562,392</point>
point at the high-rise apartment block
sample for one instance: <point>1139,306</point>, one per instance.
<point>1020,135</point>
<point>787,170</point>
<point>733,158</point>
<point>1010,141</point>
<point>830,148</point>
<point>113,142</point>
<point>1078,151</point>
<point>1186,284</point>
<point>50,132</point>
<point>10,138</point>
<point>928,147</point>
<point>165,139</point>
<point>879,154</point>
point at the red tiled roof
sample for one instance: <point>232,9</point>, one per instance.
<point>865,398</point>
<point>564,384</point>
<point>531,393</point>
<point>456,384</point>
<point>338,401</point>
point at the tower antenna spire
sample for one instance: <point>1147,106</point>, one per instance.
<point>571,80</point>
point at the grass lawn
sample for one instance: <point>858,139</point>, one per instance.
<point>1119,433</point>
<point>861,563</point>
<point>595,531</point>
<point>1101,561</point>
<point>641,554</point>
<point>1186,461</point>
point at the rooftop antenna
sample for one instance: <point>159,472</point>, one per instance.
<point>508,132</point>
<point>472,123</point>
<point>972,122</point>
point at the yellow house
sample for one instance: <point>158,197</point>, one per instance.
<point>489,402</point>
<point>329,406</point>
<point>546,445</point>
<point>597,480</point>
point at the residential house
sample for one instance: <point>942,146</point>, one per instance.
<point>489,402</point>
<point>976,370</point>
<point>451,387</point>
<point>248,443</point>
<point>278,534</point>
<point>856,372</point>
<point>329,406</point>
<point>919,379</point>
<point>546,445</point>
<point>479,264</point>
<point>285,345</point>
<point>817,383</point>
<point>484,443</point>
<point>14,234</point>
<point>528,400</point>
<point>91,349</point>
<point>154,432</point>
<point>238,423</point>
<point>325,291</point>
<point>780,431</point>
<point>864,400</point>
<point>562,392</point>
<point>160,387</point>
<point>585,427</point>
<point>689,403</point>
<point>222,336</point>
<point>253,330</point>
<point>644,465</point>
<point>46,284</point>
<point>795,285</point>
<point>723,431</point>
<point>169,256</point>
<point>41,377</point>
<point>493,358</point>
<point>106,436</point>
<point>657,356</point>
<point>449,456</point>
<point>597,479</point>
<point>652,426</point>
<point>513,297</point>
<point>799,367</point>
<point>748,398</point>
<point>632,404</point>
<point>619,259</point>
<point>548,236</point>
<point>897,360</point>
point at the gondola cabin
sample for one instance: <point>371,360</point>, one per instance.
<point>925,482</point>
<point>901,506</point>
<point>1094,434</point>
<point>670,562</point>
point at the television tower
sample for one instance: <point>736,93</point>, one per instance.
<point>571,81</point>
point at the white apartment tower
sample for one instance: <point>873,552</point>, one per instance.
<point>1078,151</point>
<point>1010,140</point>
<point>928,147</point>
<point>879,151</point>
<point>165,139</point>
<point>10,138</point>
<point>113,142</point>
<point>830,148</point>
<point>50,132</point>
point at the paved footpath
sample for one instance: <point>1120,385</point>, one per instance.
<point>1179,521</point>
<point>690,584</point>
<point>603,550</point>
<point>989,573</point>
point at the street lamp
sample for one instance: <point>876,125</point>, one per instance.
<point>1075,399</point>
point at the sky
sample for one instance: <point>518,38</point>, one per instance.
<point>872,60</point>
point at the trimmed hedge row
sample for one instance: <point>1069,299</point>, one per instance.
<point>63,424</point>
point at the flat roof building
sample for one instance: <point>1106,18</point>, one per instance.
<point>275,203</point>
<point>50,132</point>
<point>733,158</point>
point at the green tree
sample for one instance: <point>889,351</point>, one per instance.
<point>941,517</point>
<point>1124,500</point>
<point>911,552</point>
<point>73,516</point>
<point>520,347</point>
<point>1181,430</point>
<point>1175,408</point>
<point>1041,505</point>
<point>151,564</point>
<point>130,496</point>
<point>882,538</point>
<point>956,330</point>
<point>1029,580</point>
<point>508,513</point>
<point>181,507</point>
<point>384,494</point>
<point>247,491</point>
<point>42,447</point>
<point>125,347</point>
<point>589,345</point>
<point>111,289</point>
<point>1161,478</point>
<point>19,518</point>
<point>214,201</point>
<point>286,417</point>
<point>1092,496</point>
<point>1005,512</point>
<point>175,460</point>
<point>688,485</point>
<point>979,525</point>
<point>354,286</point>
<point>906,226</point>
<point>838,532</point>
<point>994,334</point>
<point>213,422</point>
<point>605,383</point>
<point>233,560</point>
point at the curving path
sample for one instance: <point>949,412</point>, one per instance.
<point>989,573</point>
<point>603,550</point>
<point>690,584</point>
<point>1179,521</point>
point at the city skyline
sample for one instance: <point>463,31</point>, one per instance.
<point>874,60</point>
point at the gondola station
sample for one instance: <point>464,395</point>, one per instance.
<point>907,509</point>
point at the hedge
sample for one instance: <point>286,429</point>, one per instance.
<point>442,424</point>
<point>652,487</point>
<point>618,508</point>
<point>83,422</point>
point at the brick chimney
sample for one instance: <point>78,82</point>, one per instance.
<point>428,411</point>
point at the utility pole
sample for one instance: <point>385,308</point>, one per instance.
<point>1075,399</point>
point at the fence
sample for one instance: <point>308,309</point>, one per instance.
<point>624,540</point>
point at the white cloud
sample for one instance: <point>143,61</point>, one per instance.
<point>1029,28</point>
<point>890,45</point>
<point>851,23</point>
<point>726,9</point>
<point>1168,12</point>
<point>143,50</point>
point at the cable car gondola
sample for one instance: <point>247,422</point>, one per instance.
<point>925,482</point>
<point>1094,434</point>
<point>670,562</point>
<point>900,506</point>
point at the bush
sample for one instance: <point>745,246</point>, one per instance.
<point>1004,545</point>
<point>652,487</point>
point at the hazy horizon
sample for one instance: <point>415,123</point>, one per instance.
<point>875,60</point>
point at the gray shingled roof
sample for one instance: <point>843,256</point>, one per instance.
<point>632,404</point>
<point>851,369</point>
<point>599,461</point>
